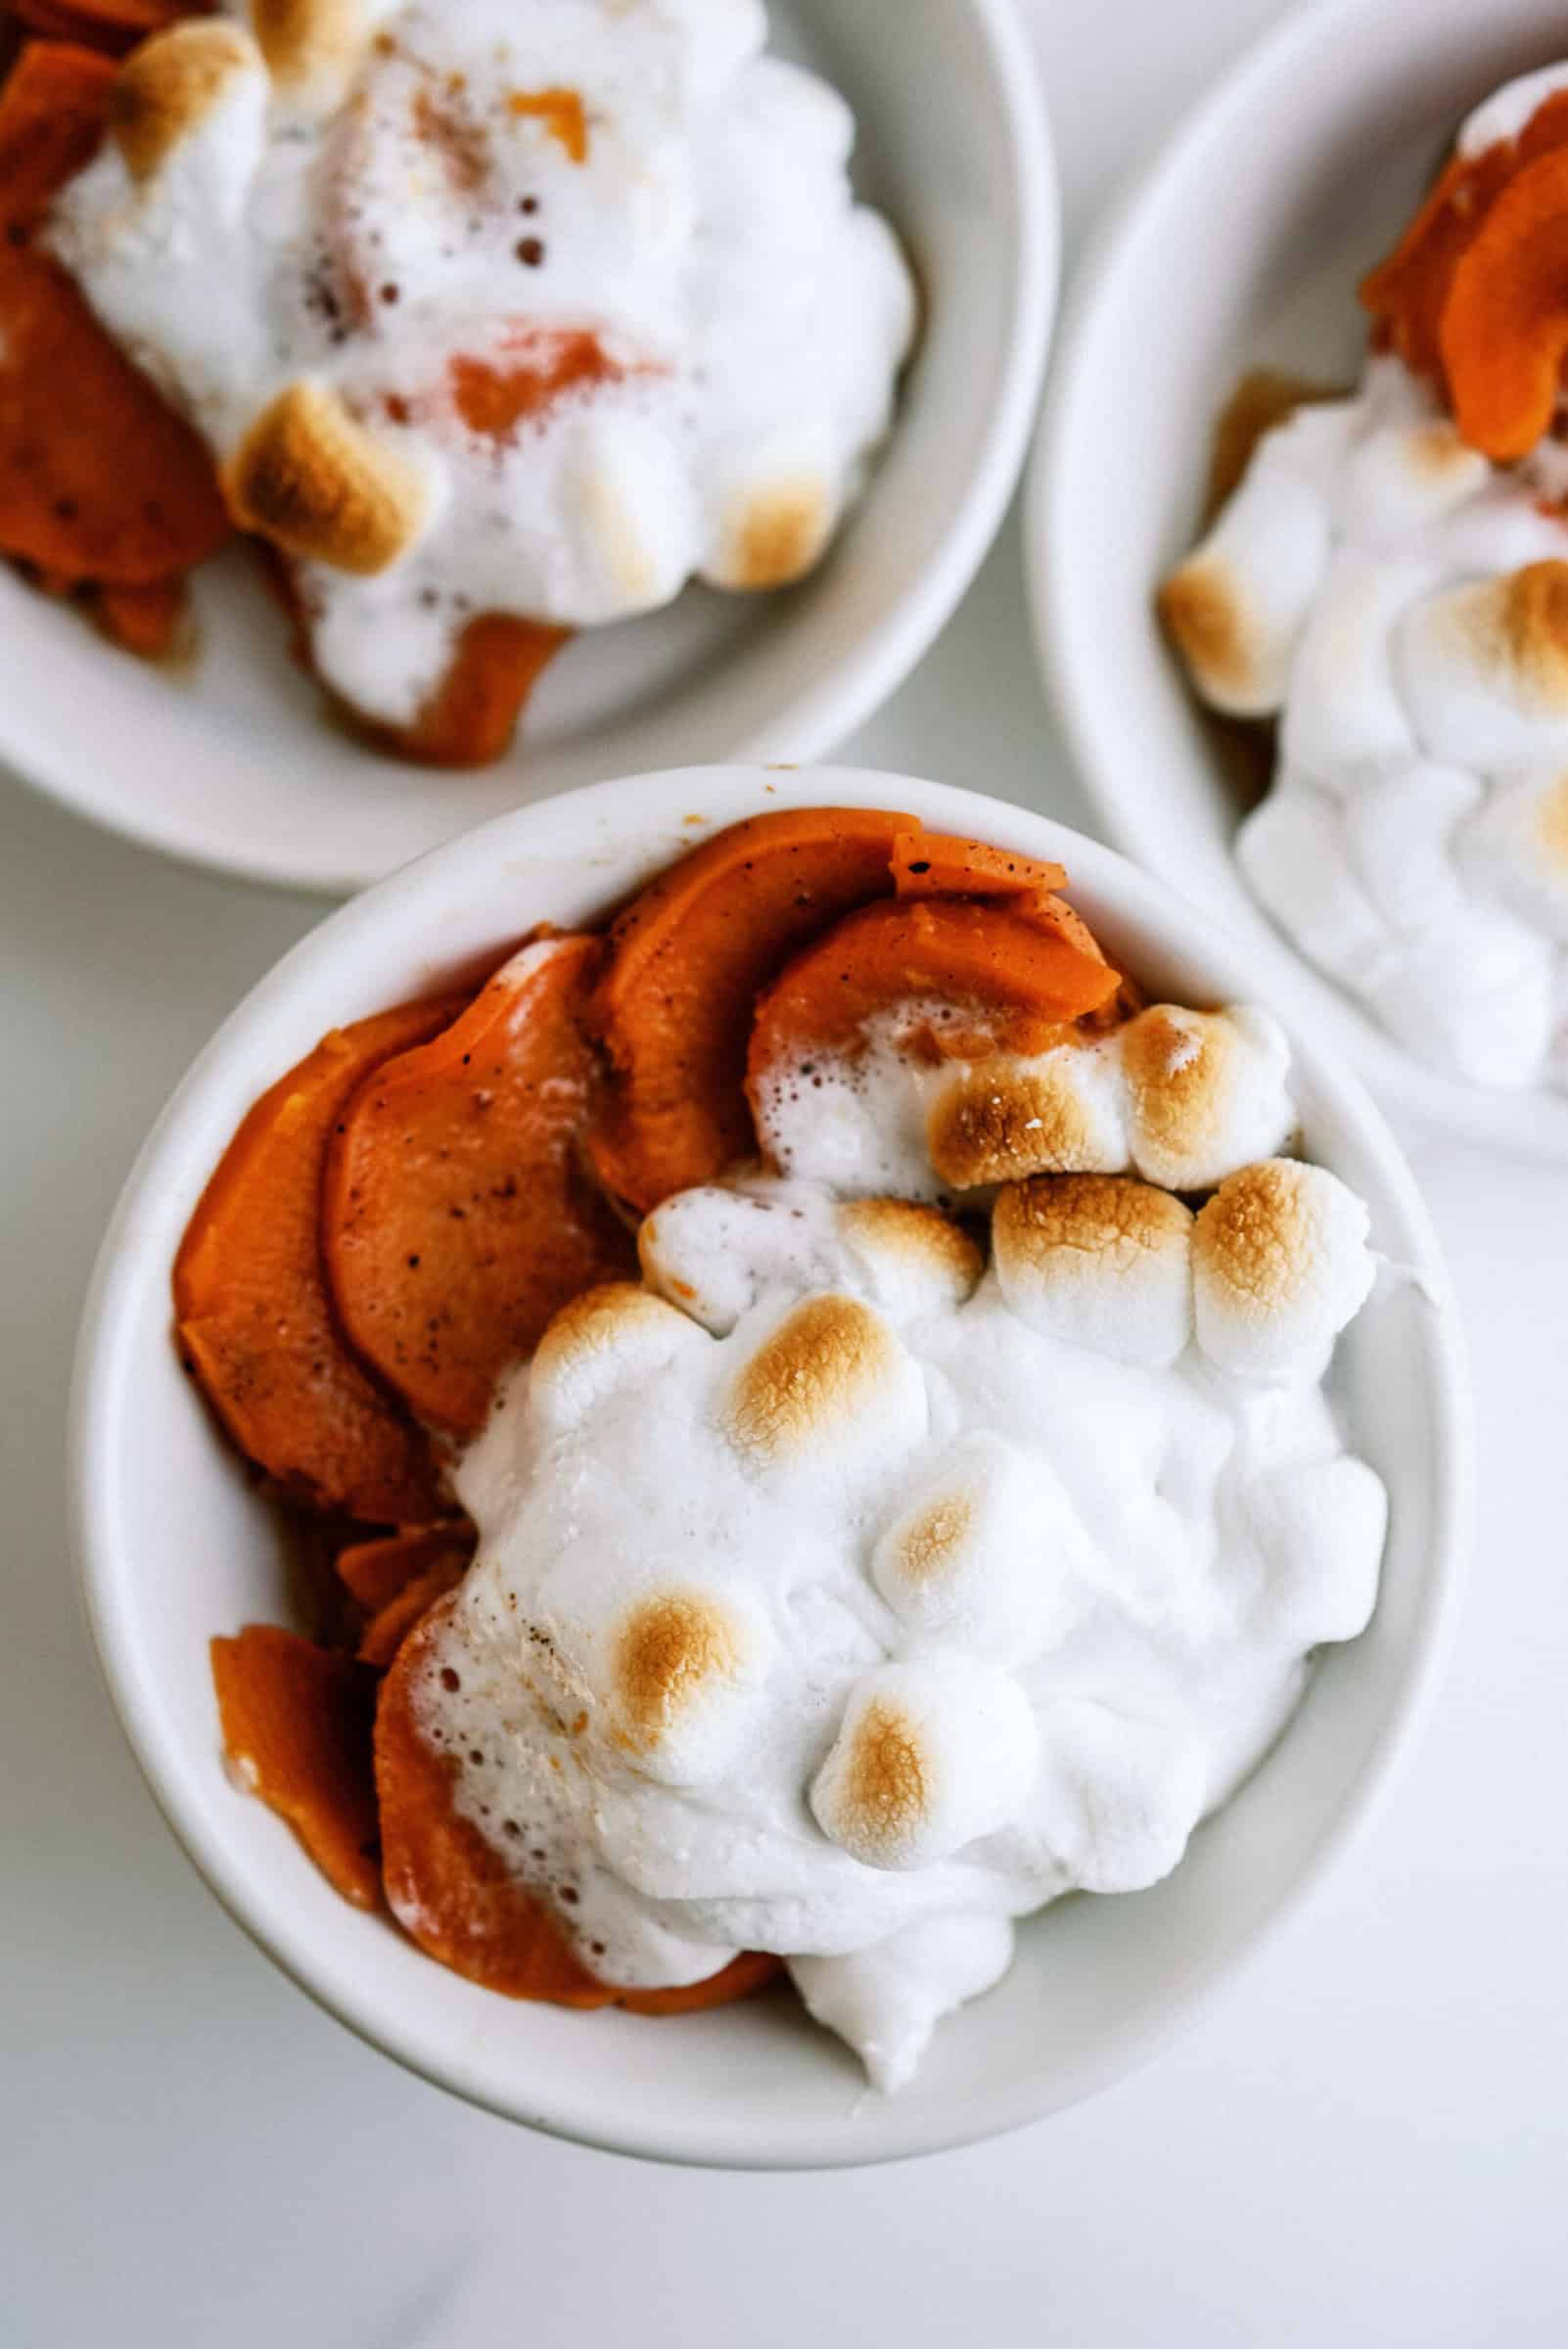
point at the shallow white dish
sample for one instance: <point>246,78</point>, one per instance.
<point>1242,247</point>
<point>236,765</point>
<point>174,1547</point>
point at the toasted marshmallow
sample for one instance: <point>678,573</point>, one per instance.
<point>1407,474</point>
<point>1320,1527</point>
<point>1236,607</point>
<point>714,1251</point>
<point>311,478</point>
<point>1517,847</point>
<point>986,1555</point>
<point>1399,837</point>
<point>1117,1797</point>
<point>773,533</point>
<point>1062,1112</point>
<point>610,1337</point>
<point>827,1377</point>
<point>884,2002</point>
<point>1485,669</point>
<point>1098,1260</point>
<point>170,85</point>
<point>682,1664</point>
<point>1206,1092</point>
<point>930,1756</point>
<point>1280,1264</point>
<point>312,46</point>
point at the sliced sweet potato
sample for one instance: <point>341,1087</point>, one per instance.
<point>1503,330</point>
<point>455,1895</point>
<point>1003,981</point>
<point>686,960</point>
<point>149,621</point>
<point>375,1572</point>
<point>113,26</point>
<point>470,718</point>
<point>1406,293</point>
<point>456,1215</point>
<point>391,1624</point>
<point>298,1726</point>
<point>99,477</point>
<point>937,864</point>
<point>54,106</point>
<point>255,1322</point>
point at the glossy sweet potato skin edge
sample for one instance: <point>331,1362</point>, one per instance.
<point>261,1337</point>
<point>705,936</point>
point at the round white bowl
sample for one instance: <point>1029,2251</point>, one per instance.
<point>1242,247</point>
<point>174,1547</point>
<point>237,765</point>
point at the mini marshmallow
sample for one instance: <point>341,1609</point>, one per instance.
<point>1400,838</point>
<point>885,2001</point>
<point>1062,1112</point>
<point>1293,849</point>
<point>1280,1264</point>
<point>612,1337</point>
<point>1206,1092</point>
<point>1117,1797</point>
<point>714,1251</point>
<point>682,1663</point>
<point>311,477</point>
<point>1485,1012</point>
<point>986,1554</point>
<point>1484,669</point>
<point>1345,718</point>
<point>1320,1527</point>
<point>1517,847</point>
<point>1099,1259</point>
<point>170,85</point>
<point>1402,476</point>
<point>828,1380</point>
<point>855,1123</point>
<point>1236,607</point>
<point>930,1756</point>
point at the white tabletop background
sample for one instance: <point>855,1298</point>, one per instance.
<point>1367,2143</point>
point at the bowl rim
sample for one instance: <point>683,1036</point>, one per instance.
<point>109,1348</point>
<point>1078,685</point>
<point>871,667</point>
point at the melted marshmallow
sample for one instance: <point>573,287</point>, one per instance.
<point>868,1603</point>
<point>1369,583</point>
<point>336,257</point>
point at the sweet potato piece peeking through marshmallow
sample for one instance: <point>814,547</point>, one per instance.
<point>297,1724</point>
<point>255,1322</point>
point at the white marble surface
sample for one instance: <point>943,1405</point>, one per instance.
<point>1368,2144</point>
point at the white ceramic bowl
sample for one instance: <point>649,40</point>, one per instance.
<point>174,1547</point>
<point>1242,247</point>
<point>237,766</point>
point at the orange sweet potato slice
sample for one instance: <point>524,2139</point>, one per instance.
<point>686,960</point>
<point>375,1572</point>
<point>471,718</point>
<point>148,621</point>
<point>391,1624</point>
<point>54,106</point>
<point>255,1322</point>
<point>1005,982</point>
<point>99,477</point>
<point>937,864</point>
<point>455,1895</point>
<point>1408,291</point>
<point>1503,330</point>
<point>298,1726</point>
<point>456,1215</point>
<point>113,26</point>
